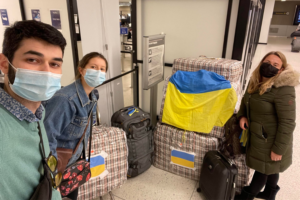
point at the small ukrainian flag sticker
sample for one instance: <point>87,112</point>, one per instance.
<point>183,159</point>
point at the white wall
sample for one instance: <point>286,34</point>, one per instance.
<point>268,13</point>
<point>96,31</point>
<point>14,14</point>
<point>192,28</point>
<point>45,6</point>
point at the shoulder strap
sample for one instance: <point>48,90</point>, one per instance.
<point>90,144</point>
<point>82,137</point>
<point>83,133</point>
<point>41,141</point>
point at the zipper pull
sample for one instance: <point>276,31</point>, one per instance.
<point>266,140</point>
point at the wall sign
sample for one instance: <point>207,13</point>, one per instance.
<point>4,17</point>
<point>55,19</point>
<point>153,60</point>
<point>36,14</point>
<point>281,13</point>
<point>124,30</point>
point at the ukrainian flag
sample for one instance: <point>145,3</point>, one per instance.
<point>97,165</point>
<point>198,101</point>
<point>183,159</point>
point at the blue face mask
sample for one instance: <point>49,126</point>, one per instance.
<point>35,85</point>
<point>94,77</point>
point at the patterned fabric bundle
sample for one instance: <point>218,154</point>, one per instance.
<point>231,69</point>
<point>198,101</point>
<point>182,152</point>
<point>168,139</point>
<point>109,144</point>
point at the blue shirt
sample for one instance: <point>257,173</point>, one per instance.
<point>66,117</point>
<point>20,155</point>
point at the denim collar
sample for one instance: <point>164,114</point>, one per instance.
<point>17,109</point>
<point>84,100</point>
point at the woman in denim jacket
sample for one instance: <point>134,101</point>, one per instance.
<point>68,110</point>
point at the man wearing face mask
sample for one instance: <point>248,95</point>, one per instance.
<point>267,115</point>
<point>31,61</point>
<point>68,112</point>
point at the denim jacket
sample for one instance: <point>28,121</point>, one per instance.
<point>66,117</point>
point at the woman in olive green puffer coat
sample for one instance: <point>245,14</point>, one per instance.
<point>268,111</point>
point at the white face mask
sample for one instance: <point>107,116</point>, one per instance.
<point>94,77</point>
<point>35,85</point>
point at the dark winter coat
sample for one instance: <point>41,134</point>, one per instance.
<point>271,118</point>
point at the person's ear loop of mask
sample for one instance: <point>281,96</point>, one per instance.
<point>35,85</point>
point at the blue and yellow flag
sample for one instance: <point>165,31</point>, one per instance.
<point>183,159</point>
<point>97,165</point>
<point>198,101</point>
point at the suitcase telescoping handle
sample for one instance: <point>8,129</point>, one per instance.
<point>233,188</point>
<point>225,158</point>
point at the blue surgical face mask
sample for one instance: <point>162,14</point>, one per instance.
<point>94,77</point>
<point>35,85</point>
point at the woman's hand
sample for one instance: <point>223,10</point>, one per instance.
<point>244,121</point>
<point>275,157</point>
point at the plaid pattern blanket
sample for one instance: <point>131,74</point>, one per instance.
<point>112,141</point>
<point>166,137</point>
<point>230,69</point>
<point>217,132</point>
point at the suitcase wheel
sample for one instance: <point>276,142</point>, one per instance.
<point>198,189</point>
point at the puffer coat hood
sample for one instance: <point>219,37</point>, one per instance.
<point>289,77</point>
<point>271,118</point>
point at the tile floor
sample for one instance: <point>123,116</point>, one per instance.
<point>157,184</point>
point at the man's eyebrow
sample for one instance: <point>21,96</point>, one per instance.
<point>41,55</point>
<point>34,53</point>
<point>58,59</point>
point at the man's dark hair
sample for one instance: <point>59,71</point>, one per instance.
<point>30,29</point>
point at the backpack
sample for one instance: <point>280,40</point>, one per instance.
<point>137,125</point>
<point>232,146</point>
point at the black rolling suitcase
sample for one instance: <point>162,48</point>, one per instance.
<point>218,177</point>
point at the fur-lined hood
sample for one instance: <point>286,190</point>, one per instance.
<point>288,77</point>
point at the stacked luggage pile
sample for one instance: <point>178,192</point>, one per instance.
<point>125,150</point>
<point>168,137</point>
